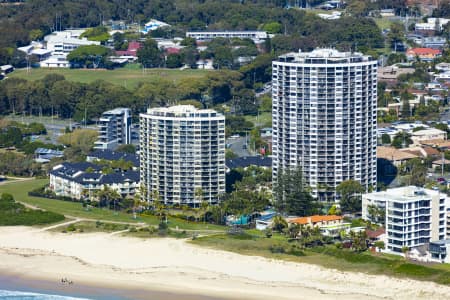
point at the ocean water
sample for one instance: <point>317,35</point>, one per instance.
<point>19,295</point>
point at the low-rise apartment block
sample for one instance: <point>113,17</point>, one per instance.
<point>413,216</point>
<point>78,180</point>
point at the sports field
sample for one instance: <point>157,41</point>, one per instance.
<point>128,77</point>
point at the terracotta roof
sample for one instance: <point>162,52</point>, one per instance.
<point>439,143</point>
<point>391,153</point>
<point>373,234</point>
<point>315,219</point>
<point>423,51</point>
<point>431,151</point>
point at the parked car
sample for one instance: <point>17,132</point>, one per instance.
<point>441,180</point>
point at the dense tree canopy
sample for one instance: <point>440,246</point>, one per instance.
<point>35,18</point>
<point>291,194</point>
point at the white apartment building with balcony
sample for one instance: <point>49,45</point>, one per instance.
<point>114,129</point>
<point>414,216</point>
<point>209,35</point>
<point>182,155</point>
<point>324,118</point>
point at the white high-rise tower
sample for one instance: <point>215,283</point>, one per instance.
<point>324,118</point>
<point>182,155</point>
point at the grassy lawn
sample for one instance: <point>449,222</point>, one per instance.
<point>263,119</point>
<point>383,23</point>
<point>278,247</point>
<point>89,226</point>
<point>20,192</point>
<point>128,77</point>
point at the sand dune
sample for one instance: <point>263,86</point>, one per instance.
<point>175,266</point>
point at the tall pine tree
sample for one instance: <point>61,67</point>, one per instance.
<point>292,195</point>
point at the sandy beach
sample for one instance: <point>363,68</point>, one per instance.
<point>162,266</point>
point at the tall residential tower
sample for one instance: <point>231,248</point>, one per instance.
<point>182,155</point>
<point>324,118</point>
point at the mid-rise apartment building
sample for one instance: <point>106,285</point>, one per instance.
<point>114,129</point>
<point>182,155</point>
<point>324,118</point>
<point>414,216</point>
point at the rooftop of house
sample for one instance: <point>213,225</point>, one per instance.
<point>423,51</point>
<point>391,153</point>
<point>438,143</point>
<point>315,219</point>
<point>114,155</point>
<point>80,173</point>
<point>373,234</point>
<point>246,161</point>
<point>428,131</point>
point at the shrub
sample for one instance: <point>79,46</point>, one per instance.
<point>133,229</point>
<point>275,248</point>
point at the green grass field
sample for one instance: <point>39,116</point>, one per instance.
<point>263,119</point>
<point>383,23</point>
<point>127,77</point>
<point>20,189</point>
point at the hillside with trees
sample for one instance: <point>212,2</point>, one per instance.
<point>35,18</point>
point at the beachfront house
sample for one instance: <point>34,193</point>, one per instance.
<point>330,225</point>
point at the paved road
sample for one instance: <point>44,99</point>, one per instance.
<point>237,146</point>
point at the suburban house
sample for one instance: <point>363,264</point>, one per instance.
<point>44,155</point>
<point>246,161</point>
<point>423,54</point>
<point>330,225</point>
<point>428,134</point>
<point>395,156</point>
<point>132,49</point>
<point>153,25</point>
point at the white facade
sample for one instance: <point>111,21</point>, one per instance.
<point>114,129</point>
<point>324,118</point>
<point>432,24</point>
<point>209,35</point>
<point>182,152</point>
<point>414,216</point>
<point>66,41</point>
<point>68,180</point>
<point>428,134</point>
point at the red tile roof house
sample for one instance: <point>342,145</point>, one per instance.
<point>172,50</point>
<point>424,54</point>
<point>133,47</point>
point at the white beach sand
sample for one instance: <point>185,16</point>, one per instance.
<point>175,266</point>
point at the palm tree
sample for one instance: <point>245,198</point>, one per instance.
<point>405,251</point>
<point>279,223</point>
<point>294,230</point>
<point>204,206</point>
<point>198,194</point>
